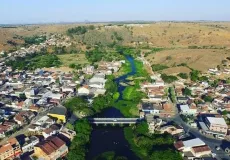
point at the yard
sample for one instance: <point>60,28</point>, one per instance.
<point>67,59</point>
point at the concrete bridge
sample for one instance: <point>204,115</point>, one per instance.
<point>114,120</point>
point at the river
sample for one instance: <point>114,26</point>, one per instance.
<point>111,138</point>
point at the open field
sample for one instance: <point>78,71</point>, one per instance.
<point>200,59</point>
<point>165,34</point>
<point>67,59</point>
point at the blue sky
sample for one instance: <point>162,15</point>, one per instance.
<point>45,11</point>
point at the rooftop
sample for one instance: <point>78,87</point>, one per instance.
<point>193,142</point>
<point>201,149</point>
<point>217,121</point>
<point>60,110</point>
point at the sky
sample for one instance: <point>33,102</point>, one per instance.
<point>56,11</point>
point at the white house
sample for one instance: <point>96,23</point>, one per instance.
<point>185,109</point>
<point>83,90</point>
<point>29,144</point>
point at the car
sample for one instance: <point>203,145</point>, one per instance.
<point>217,148</point>
<point>114,120</point>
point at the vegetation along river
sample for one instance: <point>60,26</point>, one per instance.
<point>111,138</point>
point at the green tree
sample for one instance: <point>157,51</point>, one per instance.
<point>183,75</point>
<point>187,92</point>
<point>194,75</point>
<point>168,78</point>
<point>142,128</point>
<point>207,98</point>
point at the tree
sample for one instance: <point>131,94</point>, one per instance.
<point>187,92</point>
<point>194,75</point>
<point>78,147</point>
<point>183,75</point>
<point>207,98</point>
<point>142,128</point>
<point>168,78</point>
<point>158,67</point>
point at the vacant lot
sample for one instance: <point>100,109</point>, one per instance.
<point>67,59</point>
<point>200,59</point>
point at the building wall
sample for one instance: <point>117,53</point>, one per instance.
<point>218,128</point>
<point>6,155</point>
<point>200,154</point>
<point>39,153</point>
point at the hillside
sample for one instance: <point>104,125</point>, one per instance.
<point>180,41</point>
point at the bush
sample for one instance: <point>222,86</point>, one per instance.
<point>194,75</point>
<point>183,75</point>
<point>207,98</point>
<point>34,61</point>
<point>168,79</point>
<point>187,92</point>
<point>158,67</point>
<point>77,30</point>
<point>34,40</point>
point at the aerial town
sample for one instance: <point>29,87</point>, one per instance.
<point>137,81</point>
<point>35,123</point>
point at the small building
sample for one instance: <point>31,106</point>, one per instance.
<point>182,99</point>
<point>10,150</point>
<point>185,109</point>
<point>196,147</point>
<point>29,144</point>
<point>216,124</point>
<point>52,148</point>
<point>58,112</point>
<point>68,133</point>
<point>151,108</point>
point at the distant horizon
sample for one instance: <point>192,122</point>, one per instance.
<point>114,22</point>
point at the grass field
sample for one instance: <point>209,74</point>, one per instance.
<point>200,59</point>
<point>67,59</point>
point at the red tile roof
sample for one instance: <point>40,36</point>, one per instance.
<point>201,149</point>
<point>51,144</point>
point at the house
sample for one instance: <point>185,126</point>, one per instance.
<point>51,130</point>
<point>201,151</point>
<point>216,124</point>
<point>6,127</point>
<point>68,133</point>
<point>43,120</point>
<point>67,89</point>
<point>151,108</point>
<point>188,110</point>
<point>84,90</point>
<point>182,100</point>
<point>29,144</point>
<point>196,147</point>
<point>10,150</point>
<point>88,70</point>
<point>58,112</point>
<point>23,117</point>
<point>173,130</point>
<point>50,149</point>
